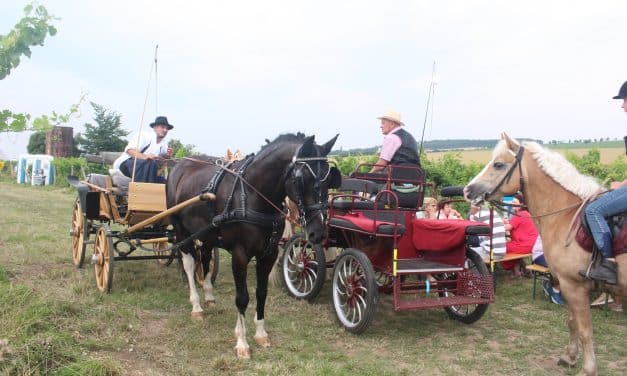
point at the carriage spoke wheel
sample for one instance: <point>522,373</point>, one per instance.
<point>79,233</point>
<point>214,265</point>
<point>354,290</point>
<point>471,312</point>
<point>161,250</point>
<point>304,267</point>
<point>103,259</point>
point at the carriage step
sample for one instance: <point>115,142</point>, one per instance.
<point>409,266</point>
<point>439,302</point>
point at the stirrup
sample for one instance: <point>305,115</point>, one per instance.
<point>586,273</point>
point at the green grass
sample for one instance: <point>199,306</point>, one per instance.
<point>56,322</point>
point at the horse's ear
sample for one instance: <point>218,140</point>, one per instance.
<point>307,148</point>
<point>512,144</point>
<point>326,148</point>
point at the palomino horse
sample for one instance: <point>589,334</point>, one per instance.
<point>553,190</point>
<point>245,218</point>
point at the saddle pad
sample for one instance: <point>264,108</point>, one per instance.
<point>585,240</point>
<point>440,235</point>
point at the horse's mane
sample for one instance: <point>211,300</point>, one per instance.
<point>271,146</point>
<point>562,171</point>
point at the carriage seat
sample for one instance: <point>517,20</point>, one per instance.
<point>381,223</point>
<point>120,180</point>
<point>116,183</point>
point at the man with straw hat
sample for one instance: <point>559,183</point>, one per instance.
<point>399,146</point>
<point>145,152</point>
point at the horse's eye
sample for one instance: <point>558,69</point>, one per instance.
<point>499,165</point>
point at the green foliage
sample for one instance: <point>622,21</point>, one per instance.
<point>13,122</point>
<point>37,143</point>
<point>449,170</point>
<point>69,166</point>
<point>31,30</point>
<point>349,163</point>
<point>589,164</point>
<point>107,135</point>
<point>179,150</point>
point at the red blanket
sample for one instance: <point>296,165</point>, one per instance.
<point>439,235</point>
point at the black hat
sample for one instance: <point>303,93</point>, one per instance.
<point>622,93</point>
<point>161,120</point>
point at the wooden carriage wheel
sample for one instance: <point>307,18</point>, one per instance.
<point>104,256</point>
<point>80,234</point>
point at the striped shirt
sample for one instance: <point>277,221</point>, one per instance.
<point>498,232</point>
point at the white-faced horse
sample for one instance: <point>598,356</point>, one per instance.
<point>554,191</point>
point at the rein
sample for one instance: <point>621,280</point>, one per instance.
<point>241,178</point>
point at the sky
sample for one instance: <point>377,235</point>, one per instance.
<point>231,74</point>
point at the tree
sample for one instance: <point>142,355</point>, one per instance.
<point>31,30</point>
<point>37,143</point>
<point>179,150</point>
<point>106,135</point>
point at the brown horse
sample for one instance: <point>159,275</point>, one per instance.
<point>554,191</point>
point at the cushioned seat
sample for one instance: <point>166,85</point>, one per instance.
<point>366,223</point>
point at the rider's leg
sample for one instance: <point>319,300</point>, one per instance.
<point>596,213</point>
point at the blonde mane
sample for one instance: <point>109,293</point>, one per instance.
<point>562,171</point>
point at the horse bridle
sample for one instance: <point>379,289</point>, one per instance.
<point>296,167</point>
<point>510,172</point>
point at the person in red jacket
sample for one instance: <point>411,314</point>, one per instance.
<point>523,235</point>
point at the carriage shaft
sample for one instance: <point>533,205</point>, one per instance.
<point>174,209</point>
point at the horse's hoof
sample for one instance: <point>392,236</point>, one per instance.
<point>243,353</point>
<point>198,315</point>
<point>210,303</point>
<point>262,341</point>
<point>565,361</point>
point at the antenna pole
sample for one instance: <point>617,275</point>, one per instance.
<point>431,90</point>
<point>156,84</point>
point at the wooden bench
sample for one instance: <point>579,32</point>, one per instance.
<point>507,257</point>
<point>539,271</point>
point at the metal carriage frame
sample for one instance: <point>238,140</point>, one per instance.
<point>385,249</point>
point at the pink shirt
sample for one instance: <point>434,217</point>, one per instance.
<point>391,143</point>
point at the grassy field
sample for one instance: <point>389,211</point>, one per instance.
<point>56,322</point>
<point>482,156</point>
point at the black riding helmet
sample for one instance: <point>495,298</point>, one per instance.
<point>622,93</point>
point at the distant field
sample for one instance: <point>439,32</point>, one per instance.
<point>483,155</point>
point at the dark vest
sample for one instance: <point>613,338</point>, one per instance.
<point>408,152</point>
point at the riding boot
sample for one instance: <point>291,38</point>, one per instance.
<point>601,270</point>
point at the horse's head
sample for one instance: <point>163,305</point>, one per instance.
<point>308,185</point>
<point>501,176</point>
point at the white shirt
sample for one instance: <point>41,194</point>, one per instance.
<point>147,138</point>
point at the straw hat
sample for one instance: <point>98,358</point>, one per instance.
<point>392,116</point>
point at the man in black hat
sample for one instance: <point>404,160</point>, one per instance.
<point>597,212</point>
<point>144,153</point>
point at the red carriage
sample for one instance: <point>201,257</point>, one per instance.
<point>377,244</point>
